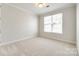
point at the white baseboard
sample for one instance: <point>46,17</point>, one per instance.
<point>14,41</point>
<point>30,37</point>
<point>54,38</point>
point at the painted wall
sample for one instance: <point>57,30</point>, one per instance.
<point>17,24</point>
<point>69,25</point>
<point>77,27</point>
<point>0,21</point>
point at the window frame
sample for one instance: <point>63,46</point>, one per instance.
<point>52,23</point>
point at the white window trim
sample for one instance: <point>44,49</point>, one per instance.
<point>52,23</point>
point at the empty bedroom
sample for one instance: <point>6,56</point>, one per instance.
<point>39,29</point>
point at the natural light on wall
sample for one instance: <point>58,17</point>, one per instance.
<point>53,23</point>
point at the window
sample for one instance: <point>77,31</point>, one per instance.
<point>53,23</point>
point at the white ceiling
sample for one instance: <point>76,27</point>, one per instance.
<point>31,7</point>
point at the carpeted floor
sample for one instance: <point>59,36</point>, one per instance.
<point>38,47</point>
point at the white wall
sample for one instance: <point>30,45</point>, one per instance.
<point>17,24</point>
<point>69,25</point>
<point>77,27</point>
<point>0,21</point>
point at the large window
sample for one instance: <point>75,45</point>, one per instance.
<point>53,23</point>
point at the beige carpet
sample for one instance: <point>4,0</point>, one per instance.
<point>38,47</point>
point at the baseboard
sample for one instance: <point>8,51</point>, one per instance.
<point>70,42</point>
<point>14,41</point>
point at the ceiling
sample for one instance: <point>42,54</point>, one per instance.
<point>31,7</point>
